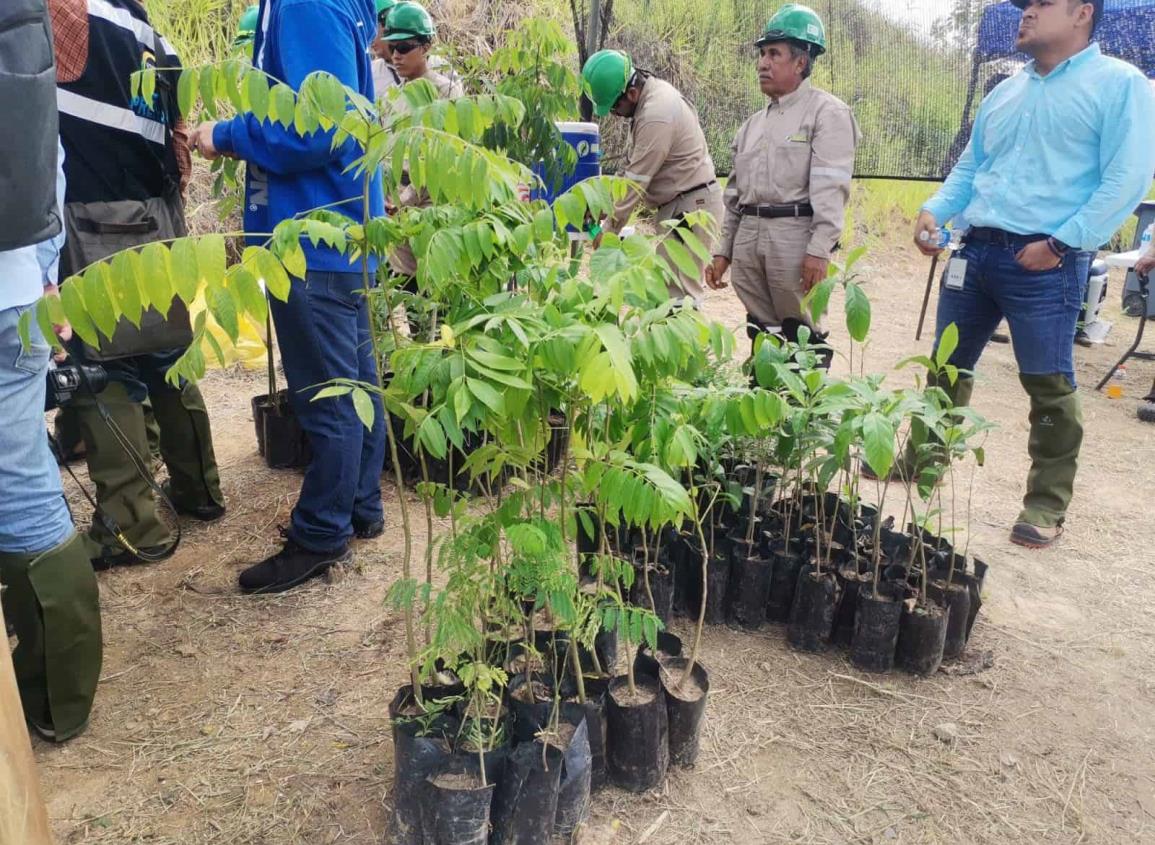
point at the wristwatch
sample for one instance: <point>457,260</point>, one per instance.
<point>1058,247</point>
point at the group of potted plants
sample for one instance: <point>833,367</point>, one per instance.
<point>588,459</point>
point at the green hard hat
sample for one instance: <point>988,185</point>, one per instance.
<point>605,77</point>
<point>408,20</point>
<point>795,22</point>
<point>246,27</point>
<point>384,6</point>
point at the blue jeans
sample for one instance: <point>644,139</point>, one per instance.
<point>1041,308</point>
<point>33,513</point>
<point>323,332</point>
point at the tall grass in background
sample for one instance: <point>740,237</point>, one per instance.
<point>201,30</point>
<point>704,49</point>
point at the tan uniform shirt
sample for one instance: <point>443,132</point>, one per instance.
<point>402,260</point>
<point>668,152</point>
<point>799,148</point>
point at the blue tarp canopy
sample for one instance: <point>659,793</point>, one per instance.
<point>1127,31</point>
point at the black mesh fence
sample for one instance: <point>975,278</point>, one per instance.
<point>913,71</point>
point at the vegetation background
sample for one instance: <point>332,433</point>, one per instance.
<point>907,86</point>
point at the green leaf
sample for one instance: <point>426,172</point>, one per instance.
<point>293,258</point>
<point>186,90</point>
<point>947,344</point>
<point>283,104</point>
<point>124,284</point>
<point>72,302</point>
<point>486,394</point>
<point>332,390</point>
<point>265,266</point>
<point>248,293</point>
<point>363,405</point>
<point>45,321</point>
<point>920,360</point>
<point>224,309</point>
<point>543,225</point>
<point>157,276</point>
<point>857,312</point>
<point>211,259</point>
<point>680,256</point>
<point>210,339</point>
<point>878,443</point>
<point>98,298</point>
<point>818,299</point>
<point>206,84</point>
<point>432,437</point>
<point>459,393</point>
<point>257,93</point>
<point>185,273</point>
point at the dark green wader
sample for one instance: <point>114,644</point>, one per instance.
<point>1055,438</point>
<point>186,447</point>
<point>1054,442</point>
<point>53,604</point>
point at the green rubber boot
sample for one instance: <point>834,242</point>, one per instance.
<point>186,445</point>
<point>1054,442</point>
<point>53,603</point>
<point>120,490</point>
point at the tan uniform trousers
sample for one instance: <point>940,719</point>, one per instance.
<point>704,199</point>
<point>766,269</point>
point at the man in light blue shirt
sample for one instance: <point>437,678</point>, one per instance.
<point>1060,155</point>
<point>50,594</point>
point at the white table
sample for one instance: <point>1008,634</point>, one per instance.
<point>1125,260</point>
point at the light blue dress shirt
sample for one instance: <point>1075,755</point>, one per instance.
<point>24,272</point>
<point>1069,154</point>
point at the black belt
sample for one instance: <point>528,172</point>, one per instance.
<point>701,187</point>
<point>771,212</point>
<point>1000,237</point>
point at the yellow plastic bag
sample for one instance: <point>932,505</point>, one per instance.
<point>249,349</point>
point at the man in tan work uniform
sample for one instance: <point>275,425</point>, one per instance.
<point>409,31</point>
<point>668,156</point>
<point>786,198</point>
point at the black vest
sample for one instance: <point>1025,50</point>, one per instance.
<point>28,213</point>
<point>117,147</point>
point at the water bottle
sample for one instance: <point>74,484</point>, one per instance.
<point>940,238</point>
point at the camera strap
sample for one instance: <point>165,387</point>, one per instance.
<point>109,523</point>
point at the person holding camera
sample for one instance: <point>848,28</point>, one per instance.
<point>47,587</point>
<point>127,163</point>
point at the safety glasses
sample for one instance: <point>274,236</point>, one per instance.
<point>404,47</point>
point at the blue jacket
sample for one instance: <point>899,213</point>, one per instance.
<point>289,174</point>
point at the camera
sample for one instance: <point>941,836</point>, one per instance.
<point>64,382</point>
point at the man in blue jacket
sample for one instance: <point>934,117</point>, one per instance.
<point>1060,155</point>
<point>324,327</point>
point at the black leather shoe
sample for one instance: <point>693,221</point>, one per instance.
<point>204,513</point>
<point>289,568</point>
<point>111,558</point>
<point>370,530</point>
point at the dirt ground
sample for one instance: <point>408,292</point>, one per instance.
<point>228,719</point>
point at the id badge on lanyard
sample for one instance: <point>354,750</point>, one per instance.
<point>956,273</point>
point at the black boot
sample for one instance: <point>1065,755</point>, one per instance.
<point>292,566</point>
<point>368,530</point>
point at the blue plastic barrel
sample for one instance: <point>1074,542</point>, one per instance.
<point>585,138</point>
